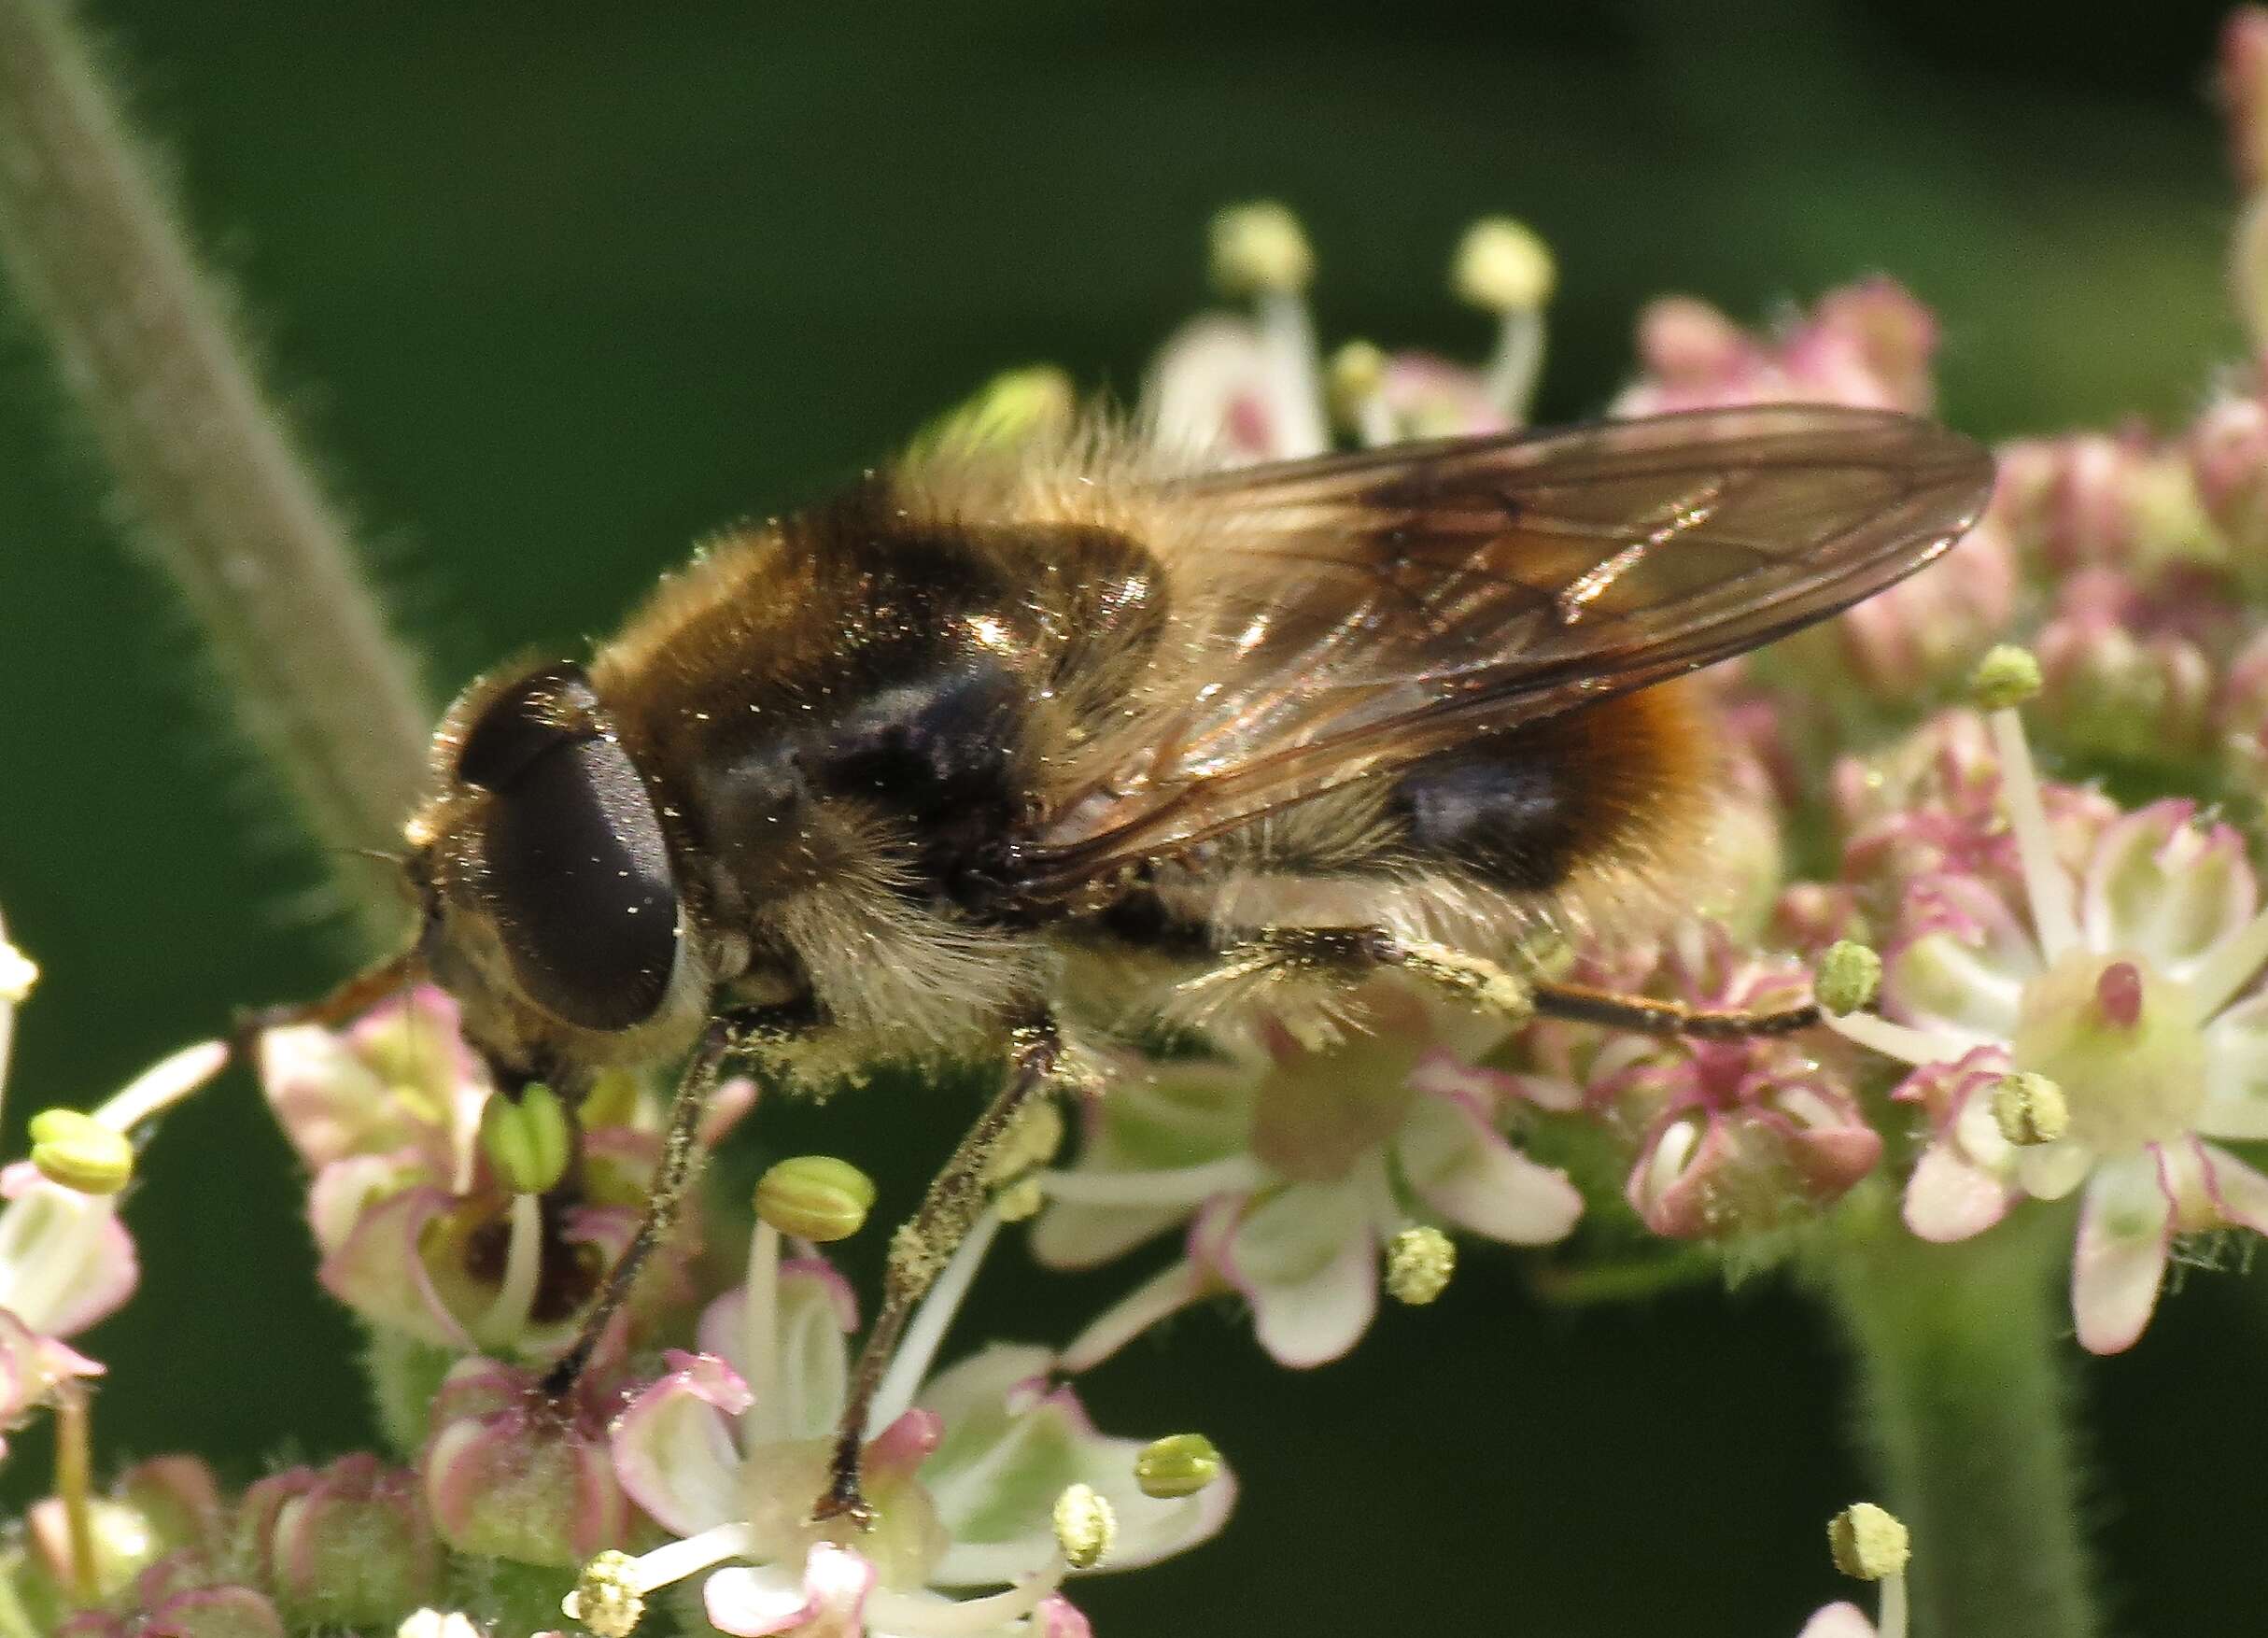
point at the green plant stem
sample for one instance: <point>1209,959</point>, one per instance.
<point>219,496</point>
<point>1965,1407</point>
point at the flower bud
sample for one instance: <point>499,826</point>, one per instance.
<point>348,1544</point>
<point>2228,455</point>
<point>2030,1109</point>
<point>816,1196</point>
<point>511,1475</point>
<point>1503,266</point>
<point>1419,1262</point>
<point>2109,693</point>
<point>214,1612</point>
<point>2240,80</point>
<point>606,1598</point>
<point>1085,1526</point>
<point>528,1140</point>
<point>2005,677</point>
<point>1868,1543</point>
<point>1180,1465</point>
<point>1849,974</point>
<point>1261,249</point>
<point>80,1152</point>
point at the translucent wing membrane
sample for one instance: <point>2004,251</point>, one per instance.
<point>1369,610</point>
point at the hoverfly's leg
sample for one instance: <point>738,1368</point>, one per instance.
<point>1496,988</point>
<point>1352,953</point>
<point>667,1192</point>
<point>920,1247</point>
<point>1642,1014</point>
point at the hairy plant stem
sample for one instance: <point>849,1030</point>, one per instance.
<point>206,467</point>
<point>1965,1407</point>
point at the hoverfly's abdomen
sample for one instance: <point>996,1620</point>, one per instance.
<point>1535,809</point>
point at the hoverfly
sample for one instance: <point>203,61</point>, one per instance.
<point>887,775</point>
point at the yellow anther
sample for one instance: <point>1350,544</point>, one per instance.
<point>1419,1262</point>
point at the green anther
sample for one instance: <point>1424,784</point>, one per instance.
<point>606,1598</point>
<point>1504,266</point>
<point>527,1139</point>
<point>1261,249</point>
<point>1180,1465</point>
<point>1012,409</point>
<point>2005,678</point>
<point>1847,977</point>
<point>816,1196</point>
<point>80,1152</point>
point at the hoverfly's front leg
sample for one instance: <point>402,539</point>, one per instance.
<point>955,1198</point>
<point>725,1035</point>
<point>1493,987</point>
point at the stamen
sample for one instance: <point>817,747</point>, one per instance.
<point>2045,884</point>
<point>515,1293</point>
<point>1503,267</point>
<point>1260,249</point>
<point>1166,1189</point>
<point>760,1335</point>
<point>1167,1292</point>
<point>675,1561</point>
<point>164,1084</point>
<point>971,1618</point>
<point>1898,1041</point>
<point>1358,372</point>
<point>926,1335</point>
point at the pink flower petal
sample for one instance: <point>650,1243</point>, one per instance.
<point>1839,1620</point>
<point>2239,1193</point>
<point>379,1270</point>
<point>1463,1168</point>
<point>674,1450</point>
<point>2126,1224</point>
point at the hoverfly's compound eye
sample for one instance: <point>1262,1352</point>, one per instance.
<point>577,871</point>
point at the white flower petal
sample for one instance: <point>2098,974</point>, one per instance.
<point>2049,1171</point>
<point>2236,1071</point>
<point>1949,1198</point>
<point>675,1454</point>
<point>1463,1168</point>
<point>1305,1260</point>
<point>2126,1223</point>
<point>2157,886</point>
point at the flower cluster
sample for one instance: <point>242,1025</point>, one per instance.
<point>1994,991</point>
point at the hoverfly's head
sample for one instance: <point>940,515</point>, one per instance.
<point>550,906</point>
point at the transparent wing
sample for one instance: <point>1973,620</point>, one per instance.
<point>1369,610</point>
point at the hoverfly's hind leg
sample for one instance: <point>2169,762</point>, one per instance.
<point>1644,1015</point>
<point>1493,987</point>
<point>954,1199</point>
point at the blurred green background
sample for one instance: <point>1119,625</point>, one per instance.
<point>557,289</point>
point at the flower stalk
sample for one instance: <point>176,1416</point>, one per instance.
<point>222,498</point>
<point>1963,1405</point>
